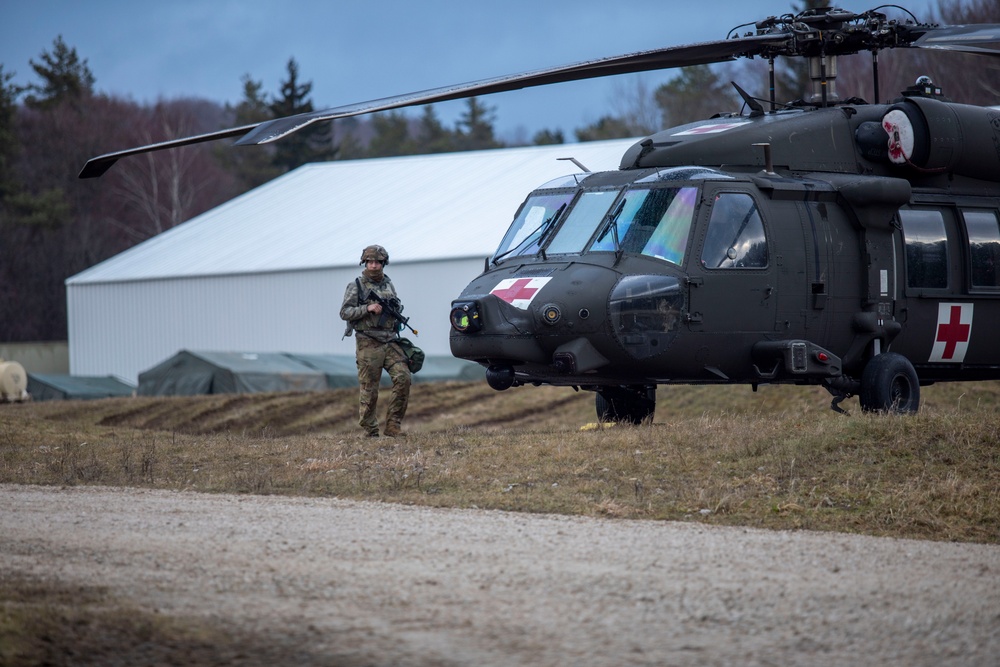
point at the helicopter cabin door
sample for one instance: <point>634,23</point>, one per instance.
<point>952,307</point>
<point>732,278</point>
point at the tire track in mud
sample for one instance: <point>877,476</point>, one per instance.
<point>437,407</point>
<point>505,420</point>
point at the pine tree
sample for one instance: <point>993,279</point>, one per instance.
<point>312,144</point>
<point>64,77</point>
<point>8,133</point>
<point>391,135</point>
<point>475,127</point>
<point>251,165</point>
<point>695,93</point>
<point>608,127</point>
<point>548,137</point>
<point>432,136</point>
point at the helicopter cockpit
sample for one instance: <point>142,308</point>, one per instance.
<point>624,235</point>
<point>583,213</point>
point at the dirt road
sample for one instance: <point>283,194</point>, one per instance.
<point>346,583</point>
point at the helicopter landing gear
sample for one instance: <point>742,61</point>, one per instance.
<point>632,404</point>
<point>889,384</point>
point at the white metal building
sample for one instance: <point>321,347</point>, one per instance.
<point>266,272</point>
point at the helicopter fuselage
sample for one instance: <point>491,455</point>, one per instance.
<point>790,247</point>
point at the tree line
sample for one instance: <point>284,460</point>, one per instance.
<point>53,226</point>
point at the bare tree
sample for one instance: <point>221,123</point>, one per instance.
<point>163,189</point>
<point>633,102</point>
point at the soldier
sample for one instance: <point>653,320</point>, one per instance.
<point>376,331</point>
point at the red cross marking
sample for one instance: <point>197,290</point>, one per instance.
<point>953,333</point>
<point>519,290</point>
<point>705,129</point>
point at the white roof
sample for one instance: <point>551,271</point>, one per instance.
<point>421,208</point>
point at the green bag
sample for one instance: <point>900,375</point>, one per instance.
<point>414,355</point>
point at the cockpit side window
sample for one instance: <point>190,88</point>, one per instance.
<point>735,238</point>
<point>536,218</point>
<point>669,240</point>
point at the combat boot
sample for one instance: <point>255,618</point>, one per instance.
<point>393,431</point>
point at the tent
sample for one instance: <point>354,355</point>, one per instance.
<point>49,387</point>
<point>342,371</point>
<point>440,368</point>
<point>188,373</point>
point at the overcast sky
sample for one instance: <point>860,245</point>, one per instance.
<point>358,50</point>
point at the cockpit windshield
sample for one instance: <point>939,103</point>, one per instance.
<point>654,222</point>
<point>537,217</point>
<point>588,212</point>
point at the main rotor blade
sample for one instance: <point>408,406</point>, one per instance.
<point>643,61</point>
<point>96,166</point>
<point>961,38</point>
<point>781,39</point>
<point>676,56</point>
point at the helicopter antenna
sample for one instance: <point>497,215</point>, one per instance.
<point>576,162</point>
<point>756,109</point>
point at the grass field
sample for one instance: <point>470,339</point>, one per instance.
<point>777,458</point>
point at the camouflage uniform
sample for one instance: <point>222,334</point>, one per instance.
<point>375,351</point>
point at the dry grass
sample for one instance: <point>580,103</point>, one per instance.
<point>776,459</point>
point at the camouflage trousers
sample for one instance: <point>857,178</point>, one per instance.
<point>372,357</point>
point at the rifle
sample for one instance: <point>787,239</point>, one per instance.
<point>391,307</point>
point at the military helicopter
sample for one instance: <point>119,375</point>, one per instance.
<point>830,242</point>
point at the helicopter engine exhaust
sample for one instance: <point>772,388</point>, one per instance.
<point>932,136</point>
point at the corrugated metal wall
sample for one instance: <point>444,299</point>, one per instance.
<point>125,328</point>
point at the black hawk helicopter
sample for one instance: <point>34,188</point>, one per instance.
<point>832,242</point>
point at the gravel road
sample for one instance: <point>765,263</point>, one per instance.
<point>354,583</point>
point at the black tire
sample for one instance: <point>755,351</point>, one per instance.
<point>632,405</point>
<point>889,384</point>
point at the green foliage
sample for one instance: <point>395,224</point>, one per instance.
<point>607,127</point>
<point>392,135</point>
<point>396,133</point>
<point>475,127</point>
<point>696,93</point>
<point>9,144</point>
<point>313,144</point>
<point>65,77</point>
<point>47,209</point>
<point>432,136</point>
<point>254,166</point>
<point>548,137</point>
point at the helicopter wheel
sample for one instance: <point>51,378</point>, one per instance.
<point>632,404</point>
<point>889,384</point>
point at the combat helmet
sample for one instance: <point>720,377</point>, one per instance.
<point>375,252</point>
